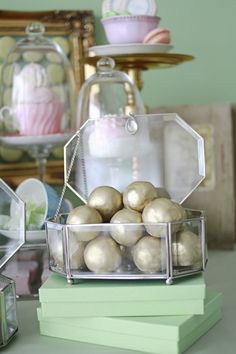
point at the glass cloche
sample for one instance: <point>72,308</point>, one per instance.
<point>37,86</point>
<point>108,93</point>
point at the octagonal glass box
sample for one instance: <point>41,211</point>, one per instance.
<point>116,151</point>
<point>12,237</point>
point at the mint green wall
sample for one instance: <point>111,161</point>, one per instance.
<point>203,28</point>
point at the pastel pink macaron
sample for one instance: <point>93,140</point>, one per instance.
<point>158,35</point>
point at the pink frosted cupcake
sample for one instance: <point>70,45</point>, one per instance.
<point>41,115</point>
<point>37,108</point>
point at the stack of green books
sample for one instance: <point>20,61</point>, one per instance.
<point>143,315</point>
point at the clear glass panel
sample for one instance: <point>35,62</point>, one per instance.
<point>37,87</point>
<point>29,269</point>
<point>8,318</point>
<point>109,251</point>
<point>55,240</point>
<point>160,148</point>
<point>10,304</point>
<point>187,246</point>
<point>12,223</point>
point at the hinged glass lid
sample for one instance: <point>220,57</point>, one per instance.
<point>160,148</point>
<point>12,223</point>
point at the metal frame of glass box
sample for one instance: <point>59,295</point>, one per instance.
<point>133,131</point>
<point>8,319</point>
<point>60,233</point>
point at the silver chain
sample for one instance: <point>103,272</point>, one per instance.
<point>131,127</point>
<point>68,176</point>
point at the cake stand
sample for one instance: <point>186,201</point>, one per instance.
<point>38,147</point>
<point>135,63</point>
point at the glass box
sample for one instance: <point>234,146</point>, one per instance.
<point>161,149</point>
<point>12,237</point>
<point>8,318</point>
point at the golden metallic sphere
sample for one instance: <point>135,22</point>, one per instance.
<point>84,215</point>
<point>186,249</point>
<point>162,210</point>
<point>107,200</point>
<point>127,235</point>
<point>75,254</point>
<point>102,255</point>
<point>149,255</point>
<point>138,194</point>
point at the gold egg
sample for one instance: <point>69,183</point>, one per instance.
<point>102,255</point>
<point>107,200</point>
<point>162,210</point>
<point>138,194</point>
<point>127,235</point>
<point>149,255</point>
<point>186,249</point>
<point>84,215</point>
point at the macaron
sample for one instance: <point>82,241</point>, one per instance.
<point>158,35</point>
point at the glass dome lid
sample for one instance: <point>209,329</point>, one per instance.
<point>37,87</point>
<point>12,223</point>
<point>107,93</point>
<point>159,148</point>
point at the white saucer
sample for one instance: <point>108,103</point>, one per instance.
<point>21,142</point>
<point>130,48</point>
<point>32,236</point>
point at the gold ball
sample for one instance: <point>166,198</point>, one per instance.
<point>182,211</point>
<point>149,255</point>
<point>162,210</point>
<point>186,249</point>
<point>84,215</point>
<point>102,255</point>
<point>107,200</point>
<point>124,234</point>
<point>138,194</point>
<point>76,253</point>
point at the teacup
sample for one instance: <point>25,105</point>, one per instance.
<point>41,202</point>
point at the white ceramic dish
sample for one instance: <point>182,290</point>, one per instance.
<point>131,48</point>
<point>32,236</point>
<point>134,7</point>
<point>23,142</point>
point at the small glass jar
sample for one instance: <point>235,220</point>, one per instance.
<point>8,319</point>
<point>107,93</point>
<point>37,87</point>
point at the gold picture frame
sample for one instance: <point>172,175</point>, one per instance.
<point>78,27</point>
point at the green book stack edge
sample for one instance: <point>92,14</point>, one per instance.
<point>98,298</point>
<point>154,334</point>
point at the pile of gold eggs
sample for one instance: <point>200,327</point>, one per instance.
<point>137,231</point>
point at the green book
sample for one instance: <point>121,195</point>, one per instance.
<point>156,334</point>
<point>99,298</point>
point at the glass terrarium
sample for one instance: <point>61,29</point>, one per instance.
<point>135,172</point>
<point>12,237</point>
<point>107,93</point>
<point>37,95</point>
